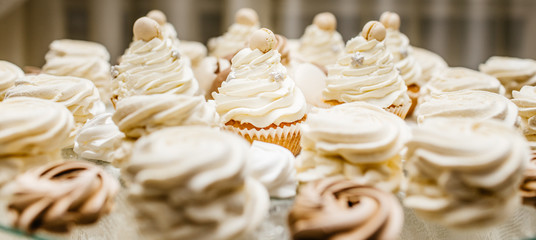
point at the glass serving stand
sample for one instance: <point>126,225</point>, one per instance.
<point>121,224</point>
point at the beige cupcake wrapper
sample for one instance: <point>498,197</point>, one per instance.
<point>400,110</point>
<point>286,136</point>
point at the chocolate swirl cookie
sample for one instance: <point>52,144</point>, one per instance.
<point>335,208</point>
<point>528,186</point>
<point>57,196</point>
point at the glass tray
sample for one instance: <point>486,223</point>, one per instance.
<point>120,224</point>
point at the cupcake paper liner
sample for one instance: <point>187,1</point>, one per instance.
<point>400,110</point>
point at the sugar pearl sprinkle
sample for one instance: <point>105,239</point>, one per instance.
<point>357,59</point>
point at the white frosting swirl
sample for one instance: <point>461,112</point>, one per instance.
<point>398,44</point>
<point>513,73</point>
<point>273,166</point>
<point>430,63</point>
<point>140,115</point>
<point>89,67</point>
<point>9,73</point>
<point>191,183</point>
<point>232,41</point>
<point>459,78</point>
<point>357,140</point>
<point>366,72</point>
<point>259,91</point>
<point>79,95</point>
<point>476,105</point>
<point>153,67</point>
<point>32,126</point>
<point>68,47</point>
<point>98,138</point>
<point>525,99</point>
<point>320,46</point>
<point>465,174</point>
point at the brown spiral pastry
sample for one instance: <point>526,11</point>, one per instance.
<point>336,208</point>
<point>528,186</point>
<point>57,196</point>
<point>282,48</point>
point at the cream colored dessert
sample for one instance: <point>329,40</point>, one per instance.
<point>312,81</point>
<point>465,174</point>
<point>525,99</point>
<point>341,209</point>
<point>9,73</point>
<point>513,73</point>
<point>459,78</point>
<point>208,71</point>
<point>152,65</point>
<point>366,73</point>
<point>321,44</point>
<point>195,51</point>
<point>471,104</point>
<point>259,90</point>
<point>57,196</point>
<point>191,183</point>
<point>137,116</point>
<point>32,132</point>
<point>68,47</point>
<point>356,140</point>
<point>79,95</point>
<point>528,186</point>
<point>167,29</point>
<point>237,36</point>
<point>431,64</point>
<point>82,59</point>
<point>98,138</point>
<point>273,166</point>
<point>398,44</point>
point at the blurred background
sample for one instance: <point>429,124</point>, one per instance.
<point>464,32</point>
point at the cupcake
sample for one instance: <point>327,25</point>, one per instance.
<point>58,196</point>
<point>79,95</point>
<point>273,166</point>
<point>366,73</point>
<point>152,65</point>
<point>335,208</point>
<point>513,73</point>
<point>358,141</point>
<point>259,100</point>
<point>138,116</point>
<point>321,44</point>
<point>471,104</point>
<point>431,64</point>
<point>9,73</point>
<point>459,78</point>
<point>82,59</point>
<point>464,173</point>
<point>237,36</point>
<point>33,131</point>
<point>528,186</point>
<point>191,183</point>
<point>398,44</point>
<point>98,138</point>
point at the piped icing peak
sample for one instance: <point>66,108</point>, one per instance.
<point>321,44</point>
<point>9,73</point>
<point>146,29</point>
<point>390,20</point>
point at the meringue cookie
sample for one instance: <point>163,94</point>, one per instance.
<point>357,140</point>
<point>273,166</point>
<point>58,195</point>
<point>98,138</point>
<point>431,64</point>
<point>476,105</point>
<point>465,174</point>
<point>137,116</point>
<point>79,95</point>
<point>335,208</point>
<point>68,47</point>
<point>513,73</point>
<point>9,73</point>
<point>191,183</point>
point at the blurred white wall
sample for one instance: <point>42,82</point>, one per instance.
<point>464,32</point>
